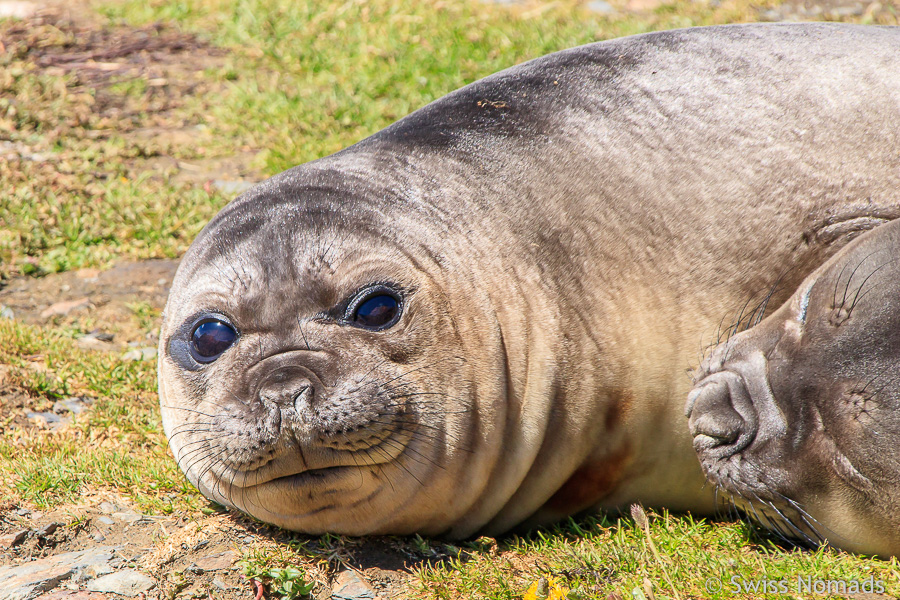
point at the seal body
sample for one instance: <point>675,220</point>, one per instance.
<point>798,418</point>
<point>480,317</point>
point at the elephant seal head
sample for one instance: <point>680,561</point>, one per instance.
<point>797,419</point>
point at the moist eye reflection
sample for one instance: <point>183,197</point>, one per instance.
<point>211,339</point>
<point>377,311</point>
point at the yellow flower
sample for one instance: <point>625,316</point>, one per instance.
<point>546,589</point>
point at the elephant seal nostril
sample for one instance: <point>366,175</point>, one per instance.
<point>712,414</point>
<point>288,385</point>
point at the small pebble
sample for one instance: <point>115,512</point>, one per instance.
<point>229,187</point>
<point>48,419</point>
<point>65,307</point>
<point>147,353</point>
<point>221,585</point>
<point>215,562</point>
<point>108,508</point>
<point>127,516</point>
<point>74,405</point>
<point>13,539</point>
<point>127,582</point>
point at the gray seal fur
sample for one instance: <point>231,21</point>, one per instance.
<point>561,234</point>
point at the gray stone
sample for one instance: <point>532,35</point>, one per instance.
<point>75,405</point>
<point>146,353</point>
<point>128,516</point>
<point>46,417</point>
<point>65,307</point>
<point>108,508</point>
<point>127,582</point>
<point>215,562</point>
<point>25,581</point>
<point>13,539</point>
<point>47,529</point>
<point>98,570</point>
<point>49,419</point>
<point>92,343</point>
<point>350,586</point>
<point>105,520</point>
<point>6,312</point>
<point>73,595</point>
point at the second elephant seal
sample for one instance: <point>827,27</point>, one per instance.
<point>480,317</point>
<point>797,419</point>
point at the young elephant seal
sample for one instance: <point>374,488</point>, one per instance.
<point>480,317</point>
<point>798,418</point>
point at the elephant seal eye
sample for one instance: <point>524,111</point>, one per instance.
<point>378,311</point>
<point>210,339</point>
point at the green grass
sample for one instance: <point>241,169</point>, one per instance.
<point>291,80</point>
<point>596,557</point>
<point>118,445</point>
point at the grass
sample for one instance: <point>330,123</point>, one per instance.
<point>597,557</point>
<point>120,446</point>
<point>288,81</point>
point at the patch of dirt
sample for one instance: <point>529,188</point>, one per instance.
<point>63,41</point>
<point>15,405</point>
<point>181,554</point>
<point>230,175</point>
<point>201,557</point>
<point>107,299</point>
<point>117,310</point>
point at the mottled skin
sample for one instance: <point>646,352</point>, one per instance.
<point>798,418</point>
<point>564,233</point>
